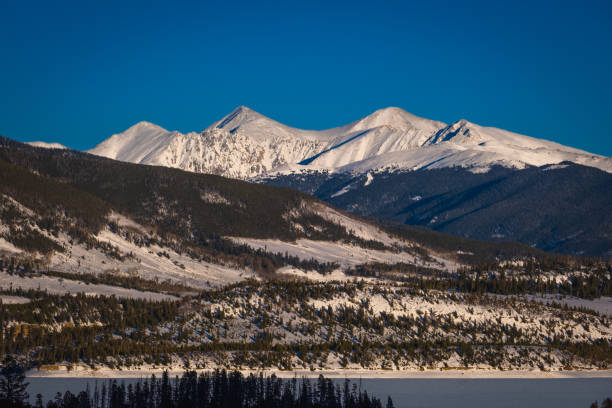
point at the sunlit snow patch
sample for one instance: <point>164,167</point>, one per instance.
<point>344,190</point>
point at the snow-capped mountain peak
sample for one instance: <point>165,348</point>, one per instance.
<point>145,125</point>
<point>136,143</point>
<point>397,119</point>
<point>246,144</point>
<point>238,117</point>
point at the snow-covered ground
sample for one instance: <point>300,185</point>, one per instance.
<point>522,326</point>
<point>349,255</point>
<point>335,275</point>
<point>601,305</point>
<point>6,246</point>
<point>13,300</point>
<point>325,251</point>
<point>534,321</point>
<point>359,228</point>
<point>153,262</point>
<point>145,371</point>
<point>149,262</point>
<point>62,286</point>
<point>46,145</point>
<point>160,262</point>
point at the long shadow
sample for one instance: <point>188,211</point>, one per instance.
<point>313,158</point>
<point>439,204</point>
<point>229,118</point>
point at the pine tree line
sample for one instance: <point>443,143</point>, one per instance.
<point>216,389</point>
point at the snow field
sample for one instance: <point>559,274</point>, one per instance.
<point>61,286</point>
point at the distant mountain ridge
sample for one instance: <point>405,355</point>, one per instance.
<point>563,207</point>
<point>465,179</point>
<point>224,148</point>
<point>246,144</point>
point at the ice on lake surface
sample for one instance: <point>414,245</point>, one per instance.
<point>426,393</point>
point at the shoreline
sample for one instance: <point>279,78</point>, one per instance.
<point>476,373</point>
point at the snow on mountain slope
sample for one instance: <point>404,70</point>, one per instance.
<point>46,145</point>
<point>515,148</point>
<point>62,286</point>
<point>345,255</point>
<point>119,249</point>
<point>138,144</point>
<point>348,255</point>
<point>366,144</point>
<point>357,227</point>
<point>246,144</point>
<point>462,143</point>
<point>241,145</point>
<point>398,119</point>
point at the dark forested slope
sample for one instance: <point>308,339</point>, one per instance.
<point>562,208</point>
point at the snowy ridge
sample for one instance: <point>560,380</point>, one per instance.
<point>246,144</point>
<point>241,145</point>
<point>46,145</point>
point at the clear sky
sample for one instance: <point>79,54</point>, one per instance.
<point>77,72</point>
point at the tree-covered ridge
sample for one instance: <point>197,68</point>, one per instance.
<point>52,198</point>
<point>563,208</point>
<point>192,206</point>
<point>587,279</point>
<point>51,201</point>
<point>56,216</point>
<point>307,325</point>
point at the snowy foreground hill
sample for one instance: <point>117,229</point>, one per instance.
<point>106,264</point>
<point>246,144</point>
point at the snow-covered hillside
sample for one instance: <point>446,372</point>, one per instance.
<point>125,247</point>
<point>246,144</point>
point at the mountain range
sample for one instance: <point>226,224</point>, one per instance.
<point>108,264</point>
<point>246,144</point>
<point>459,178</point>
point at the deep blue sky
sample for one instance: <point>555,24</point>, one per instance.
<point>76,73</point>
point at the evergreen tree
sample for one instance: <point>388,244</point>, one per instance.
<point>13,385</point>
<point>83,399</point>
<point>39,401</point>
<point>165,392</point>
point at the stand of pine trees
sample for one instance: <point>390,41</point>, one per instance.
<point>217,389</point>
